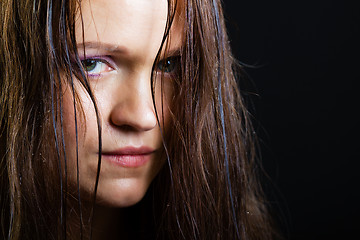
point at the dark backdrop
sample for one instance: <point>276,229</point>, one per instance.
<point>306,69</point>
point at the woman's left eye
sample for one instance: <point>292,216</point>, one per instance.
<point>95,67</point>
<point>169,65</point>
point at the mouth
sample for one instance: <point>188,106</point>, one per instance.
<point>129,157</point>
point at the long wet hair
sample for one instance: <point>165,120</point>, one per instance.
<point>212,191</point>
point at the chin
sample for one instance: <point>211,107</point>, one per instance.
<point>121,193</point>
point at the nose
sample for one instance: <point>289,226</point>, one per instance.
<point>134,108</point>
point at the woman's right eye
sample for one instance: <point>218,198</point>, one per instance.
<point>96,67</point>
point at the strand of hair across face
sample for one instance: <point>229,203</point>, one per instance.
<point>92,98</point>
<point>51,70</point>
<point>65,159</point>
<point>169,22</point>
<point>63,32</point>
<point>77,142</point>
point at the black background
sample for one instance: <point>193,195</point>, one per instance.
<point>306,68</point>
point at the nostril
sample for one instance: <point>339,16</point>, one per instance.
<point>129,118</point>
<point>127,128</point>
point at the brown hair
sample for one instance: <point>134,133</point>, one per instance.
<point>213,191</point>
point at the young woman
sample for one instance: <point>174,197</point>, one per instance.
<point>123,120</point>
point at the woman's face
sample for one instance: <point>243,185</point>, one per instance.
<point>121,39</point>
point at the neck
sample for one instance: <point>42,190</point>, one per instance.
<point>108,222</point>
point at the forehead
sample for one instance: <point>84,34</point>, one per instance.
<point>136,26</point>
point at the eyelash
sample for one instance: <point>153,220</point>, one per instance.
<point>168,66</point>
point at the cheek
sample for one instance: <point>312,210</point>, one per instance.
<point>76,129</point>
<point>68,117</point>
<point>69,127</point>
<point>85,113</point>
<point>164,94</point>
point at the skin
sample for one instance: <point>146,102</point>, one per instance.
<point>122,37</point>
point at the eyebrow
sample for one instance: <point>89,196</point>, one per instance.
<point>117,49</point>
<point>107,47</point>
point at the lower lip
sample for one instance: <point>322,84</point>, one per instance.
<point>129,161</point>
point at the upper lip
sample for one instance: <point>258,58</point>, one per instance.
<point>129,150</point>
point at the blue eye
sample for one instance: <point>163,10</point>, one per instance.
<point>94,67</point>
<point>89,64</point>
<point>169,65</point>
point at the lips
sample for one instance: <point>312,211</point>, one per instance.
<point>129,157</point>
